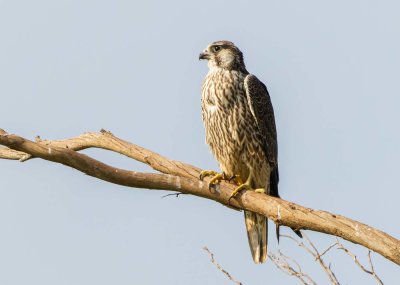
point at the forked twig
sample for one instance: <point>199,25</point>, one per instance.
<point>281,261</point>
<point>317,256</point>
<point>355,259</point>
<point>328,249</point>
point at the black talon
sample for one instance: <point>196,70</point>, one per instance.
<point>231,178</point>
<point>229,200</point>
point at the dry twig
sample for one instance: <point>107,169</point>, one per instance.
<point>317,256</point>
<point>227,274</point>
<point>282,262</point>
<point>173,194</point>
<point>354,257</point>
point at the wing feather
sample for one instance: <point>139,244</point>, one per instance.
<point>261,107</point>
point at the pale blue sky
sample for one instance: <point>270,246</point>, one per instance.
<point>67,67</point>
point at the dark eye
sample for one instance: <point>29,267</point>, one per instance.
<point>216,48</point>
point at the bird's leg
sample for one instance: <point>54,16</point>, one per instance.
<point>248,185</point>
<point>243,186</point>
<point>236,178</point>
<point>216,177</point>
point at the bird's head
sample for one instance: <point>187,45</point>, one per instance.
<point>225,55</point>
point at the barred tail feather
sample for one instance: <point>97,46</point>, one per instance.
<point>257,233</point>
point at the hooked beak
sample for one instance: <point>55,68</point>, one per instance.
<point>204,55</point>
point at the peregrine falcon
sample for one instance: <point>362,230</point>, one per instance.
<point>240,129</point>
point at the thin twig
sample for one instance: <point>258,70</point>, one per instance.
<point>282,263</point>
<point>317,256</point>
<point>328,249</point>
<point>355,259</point>
<point>227,274</point>
<point>173,194</point>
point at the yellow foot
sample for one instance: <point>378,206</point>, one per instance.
<point>205,173</point>
<point>260,190</point>
<point>244,186</point>
<point>217,177</point>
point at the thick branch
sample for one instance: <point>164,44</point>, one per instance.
<point>182,177</point>
<point>106,140</point>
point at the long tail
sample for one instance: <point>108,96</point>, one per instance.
<point>257,233</point>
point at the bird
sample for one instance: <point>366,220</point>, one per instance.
<point>240,130</point>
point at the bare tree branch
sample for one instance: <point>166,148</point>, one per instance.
<point>281,261</point>
<point>317,256</point>
<point>354,257</point>
<point>220,267</point>
<point>182,177</point>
